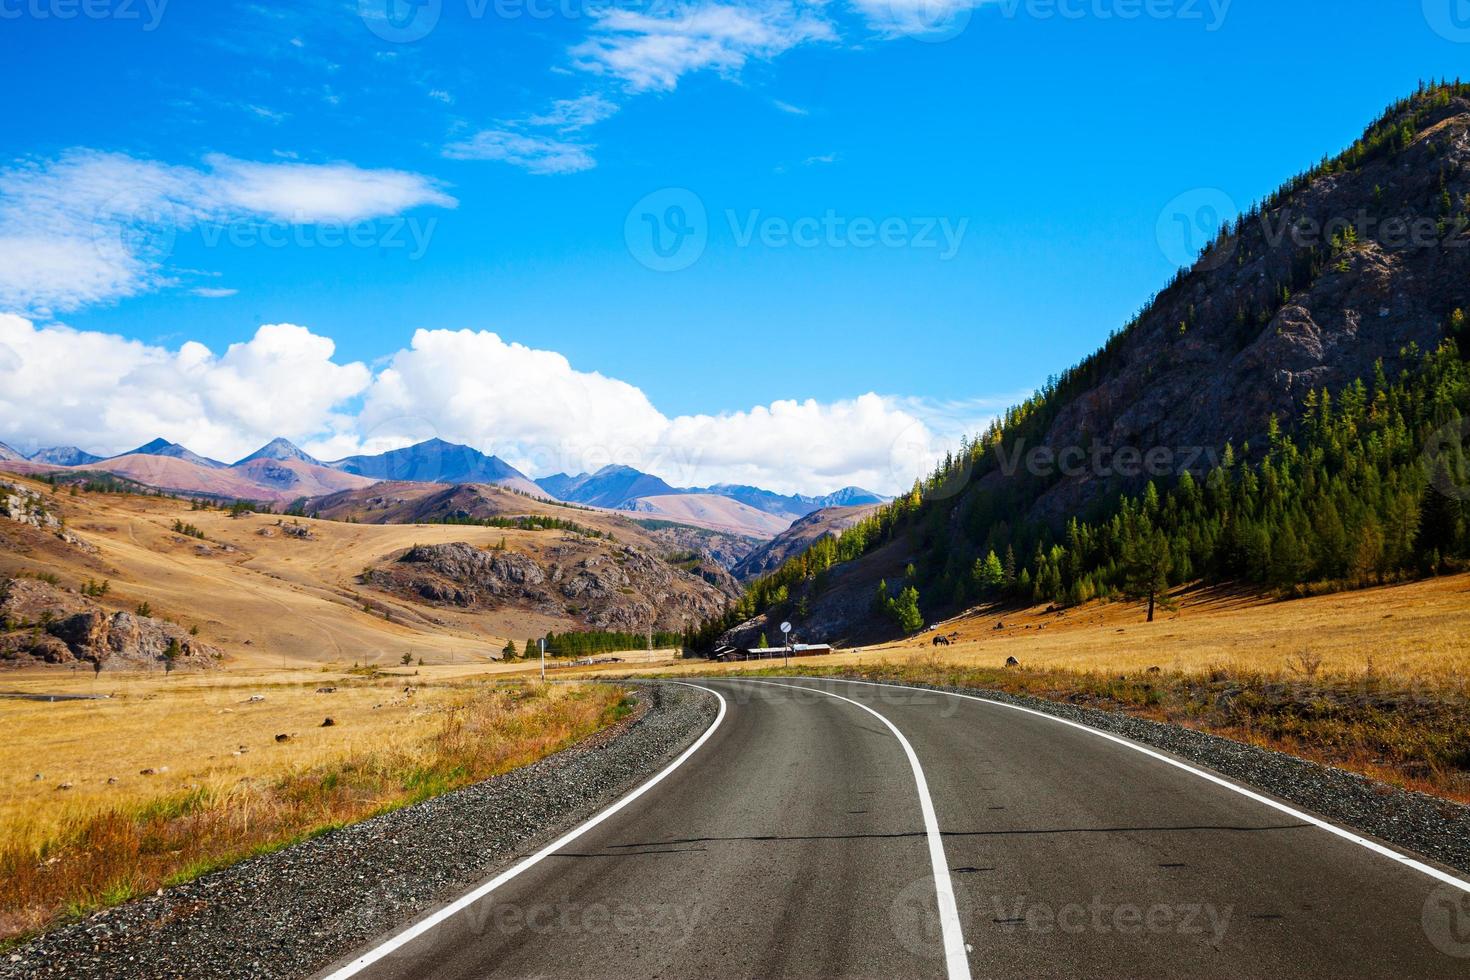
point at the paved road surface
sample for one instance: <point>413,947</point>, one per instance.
<point>794,842</point>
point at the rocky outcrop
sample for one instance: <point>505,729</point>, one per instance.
<point>625,589</point>
<point>44,623</point>
<point>28,507</point>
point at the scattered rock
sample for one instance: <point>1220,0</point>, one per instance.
<point>283,737</point>
<point>326,690</point>
<point>328,723</point>
<point>1012,662</point>
<point>64,786</point>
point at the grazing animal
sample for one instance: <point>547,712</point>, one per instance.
<point>941,641</point>
<point>1012,662</point>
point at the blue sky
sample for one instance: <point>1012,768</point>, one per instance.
<point>297,163</point>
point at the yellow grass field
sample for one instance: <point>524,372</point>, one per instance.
<point>1414,633</point>
<point>166,778</point>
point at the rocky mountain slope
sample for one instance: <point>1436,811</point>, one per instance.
<point>798,538</point>
<point>1360,262</point>
<point>624,589</point>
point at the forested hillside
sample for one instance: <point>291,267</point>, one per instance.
<point>1286,413</point>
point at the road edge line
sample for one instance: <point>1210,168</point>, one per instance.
<point>956,956</point>
<point>424,925</point>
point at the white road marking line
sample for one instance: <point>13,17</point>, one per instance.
<point>1331,828</point>
<point>459,905</point>
<point>956,960</point>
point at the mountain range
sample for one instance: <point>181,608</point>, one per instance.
<point>282,472</point>
<point>619,486</point>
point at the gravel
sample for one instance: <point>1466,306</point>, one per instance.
<point>1429,826</point>
<point>293,912</point>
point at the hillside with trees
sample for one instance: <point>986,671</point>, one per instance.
<point>1288,413</point>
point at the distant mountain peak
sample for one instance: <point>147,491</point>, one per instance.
<point>437,461</point>
<point>162,447</point>
<point>64,456</point>
<point>281,450</point>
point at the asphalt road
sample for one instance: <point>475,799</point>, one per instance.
<point>797,841</point>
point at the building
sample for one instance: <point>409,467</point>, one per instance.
<point>727,654</point>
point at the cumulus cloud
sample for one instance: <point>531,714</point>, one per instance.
<point>92,227</point>
<point>60,386</point>
<point>651,52</point>
<point>533,408</point>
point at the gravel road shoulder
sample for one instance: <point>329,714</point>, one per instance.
<point>291,913</point>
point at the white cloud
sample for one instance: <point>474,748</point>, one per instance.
<point>305,193</point>
<point>538,154</point>
<point>60,386</point>
<point>443,96</point>
<point>107,394</point>
<point>214,292</point>
<point>568,115</point>
<point>542,415</point>
<point>93,227</point>
<point>787,107</point>
<point>653,51</point>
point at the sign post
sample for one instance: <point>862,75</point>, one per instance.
<point>786,634</point>
<point>542,643</point>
